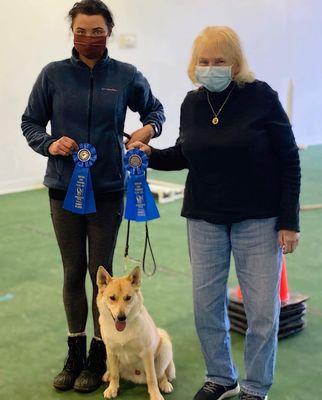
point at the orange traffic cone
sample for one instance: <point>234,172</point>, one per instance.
<point>293,309</point>
<point>239,293</point>
<point>284,293</point>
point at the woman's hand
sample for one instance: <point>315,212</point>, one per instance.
<point>62,147</point>
<point>143,135</point>
<point>141,146</point>
<point>288,240</point>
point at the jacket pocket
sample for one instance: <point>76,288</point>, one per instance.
<point>119,155</point>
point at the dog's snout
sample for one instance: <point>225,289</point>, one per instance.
<point>121,317</point>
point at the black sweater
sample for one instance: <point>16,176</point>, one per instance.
<point>245,167</point>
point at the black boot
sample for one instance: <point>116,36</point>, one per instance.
<point>74,364</point>
<point>91,378</point>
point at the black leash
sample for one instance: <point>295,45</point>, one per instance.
<point>126,135</point>
<point>147,241</point>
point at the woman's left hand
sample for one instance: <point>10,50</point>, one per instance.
<point>143,135</point>
<point>288,240</point>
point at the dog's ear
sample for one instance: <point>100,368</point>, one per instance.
<point>103,278</point>
<point>135,277</point>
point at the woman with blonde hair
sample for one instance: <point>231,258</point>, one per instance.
<point>241,198</point>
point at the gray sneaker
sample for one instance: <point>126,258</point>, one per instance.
<point>247,396</point>
<point>214,391</point>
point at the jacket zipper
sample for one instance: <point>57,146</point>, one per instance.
<point>89,121</point>
<point>90,106</point>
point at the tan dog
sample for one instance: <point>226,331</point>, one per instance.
<point>137,350</point>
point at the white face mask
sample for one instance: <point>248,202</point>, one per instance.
<point>215,79</point>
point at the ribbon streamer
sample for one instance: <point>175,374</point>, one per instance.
<point>80,197</point>
<point>140,204</point>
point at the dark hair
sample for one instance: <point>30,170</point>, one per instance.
<point>92,7</point>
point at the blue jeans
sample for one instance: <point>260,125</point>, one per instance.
<point>257,255</point>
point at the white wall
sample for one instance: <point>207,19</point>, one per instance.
<point>281,40</point>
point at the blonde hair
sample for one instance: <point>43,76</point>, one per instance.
<point>226,40</point>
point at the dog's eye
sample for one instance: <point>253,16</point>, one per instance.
<point>113,298</point>
<point>127,298</point>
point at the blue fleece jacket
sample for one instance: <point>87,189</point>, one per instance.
<point>87,106</point>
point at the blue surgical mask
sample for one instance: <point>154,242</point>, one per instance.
<point>215,79</point>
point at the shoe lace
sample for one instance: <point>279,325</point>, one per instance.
<point>74,356</point>
<point>246,396</point>
<point>210,387</point>
<point>70,363</point>
<point>72,359</point>
<point>96,360</point>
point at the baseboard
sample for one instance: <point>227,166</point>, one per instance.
<point>16,186</point>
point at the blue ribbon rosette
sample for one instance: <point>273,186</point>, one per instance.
<point>140,204</point>
<point>80,197</point>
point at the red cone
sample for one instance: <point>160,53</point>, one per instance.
<point>284,293</point>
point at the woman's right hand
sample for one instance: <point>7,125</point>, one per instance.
<point>141,146</point>
<point>62,147</point>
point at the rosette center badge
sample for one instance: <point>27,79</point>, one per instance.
<point>135,161</point>
<point>84,155</point>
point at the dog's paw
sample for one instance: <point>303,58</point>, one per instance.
<point>110,392</point>
<point>165,387</point>
<point>106,377</point>
<point>156,396</point>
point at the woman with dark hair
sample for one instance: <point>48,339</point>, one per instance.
<point>85,98</point>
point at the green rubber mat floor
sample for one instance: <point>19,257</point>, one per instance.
<point>32,321</point>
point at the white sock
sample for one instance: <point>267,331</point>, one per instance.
<point>97,338</point>
<point>76,334</point>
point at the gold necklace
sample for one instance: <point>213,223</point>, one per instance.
<point>215,119</point>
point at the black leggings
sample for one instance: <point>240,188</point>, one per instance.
<point>73,231</point>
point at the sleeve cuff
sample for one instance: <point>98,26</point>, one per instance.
<point>48,142</point>
<point>156,127</point>
<point>153,157</point>
<point>288,225</point>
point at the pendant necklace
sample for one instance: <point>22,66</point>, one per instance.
<point>215,119</point>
